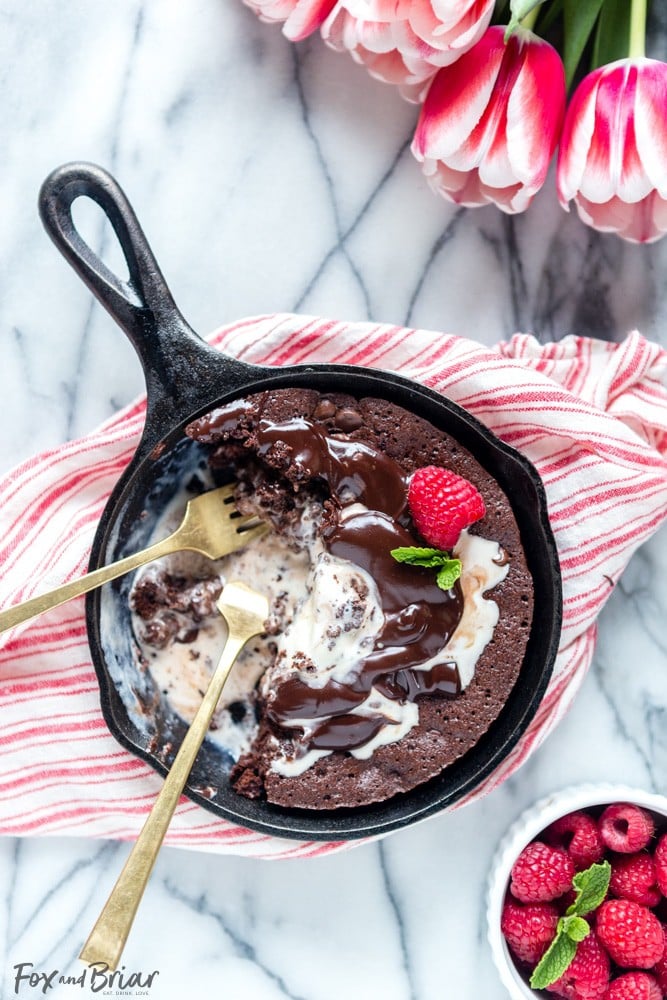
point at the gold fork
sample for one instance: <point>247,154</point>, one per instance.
<point>211,526</point>
<point>245,612</point>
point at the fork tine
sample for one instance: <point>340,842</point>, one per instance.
<point>245,521</point>
<point>249,533</point>
<point>226,493</point>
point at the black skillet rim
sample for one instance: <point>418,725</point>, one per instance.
<point>500,739</point>
<point>184,376</point>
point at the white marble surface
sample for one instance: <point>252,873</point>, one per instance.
<point>269,178</point>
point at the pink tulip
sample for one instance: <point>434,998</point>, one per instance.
<point>404,42</point>
<point>613,154</point>
<point>491,121</point>
<point>301,17</point>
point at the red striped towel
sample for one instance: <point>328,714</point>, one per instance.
<point>592,417</point>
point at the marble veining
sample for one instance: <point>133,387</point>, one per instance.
<point>272,177</point>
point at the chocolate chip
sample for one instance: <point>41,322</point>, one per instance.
<point>348,419</point>
<point>237,711</point>
<point>324,410</point>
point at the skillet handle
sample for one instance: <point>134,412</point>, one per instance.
<point>180,368</point>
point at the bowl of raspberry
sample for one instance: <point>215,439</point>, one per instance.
<point>577,903</point>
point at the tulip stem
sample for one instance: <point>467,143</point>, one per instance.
<point>528,22</point>
<point>638,29</point>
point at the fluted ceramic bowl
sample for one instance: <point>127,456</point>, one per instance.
<point>527,828</point>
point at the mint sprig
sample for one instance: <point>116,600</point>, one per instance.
<point>554,961</point>
<point>449,569</point>
<point>591,888</point>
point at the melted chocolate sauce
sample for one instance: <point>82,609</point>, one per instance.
<point>353,471</point>
<point>419,617</point>
<point>346,732</point>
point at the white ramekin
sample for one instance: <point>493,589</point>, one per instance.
<point>525,829</point>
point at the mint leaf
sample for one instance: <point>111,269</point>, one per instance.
<point>575,927</point>
<point>449,570</point>
<point>554,962</point>
<point>429,558</point>
<point>591,887</point>
<point>449,574</point>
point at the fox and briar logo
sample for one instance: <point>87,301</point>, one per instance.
<point>97,977</point>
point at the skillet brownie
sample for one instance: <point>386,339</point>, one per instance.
<point>372,678</point>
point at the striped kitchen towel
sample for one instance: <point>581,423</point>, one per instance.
<point>591,416</point>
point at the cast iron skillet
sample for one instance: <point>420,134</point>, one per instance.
<point>184,379</point>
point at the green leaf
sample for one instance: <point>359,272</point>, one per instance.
<point>579,20</point>
<point>554,962</point>
<point>449,574</point>
<point>449,568</point>
<point>553,11</point>
<point>591,888</point>
<point>612,38</point>
<point>415,556</point>
<point>500,12</point>
<point>575,927</point>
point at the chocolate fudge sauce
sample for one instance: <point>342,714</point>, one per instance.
<point>419,617</point>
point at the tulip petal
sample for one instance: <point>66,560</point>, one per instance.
<point>535,113</point>
<point>457,99</point>
<point>384,48</point>
<point>614,167</point>
<point>373,36</point>
<point>659,209</point>
<point>640,222</point>
<point>465,188</point>
<point>464,136</point>
<point>450,26</point>
<point>306,18</point>
<point>604,164</point>
<point>408,32</point>
<point>377,10</point>
<point>271,11</point>
<point>486,147</point>
<point>651,122</point>
<point>633,184</point>
<point>461,187</point>
<point>576,138</point>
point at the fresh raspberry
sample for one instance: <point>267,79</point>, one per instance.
<point>634,986</point>
<point>442,504</point>
<point>529,930</point>
<point>633,877</point>
<point>578,834</point>
<point>587,975</point>
<point>660,862</point>
<point>541,873</point>
<point>659,970</point>
<point>632,935</point>
<point>625,828</point>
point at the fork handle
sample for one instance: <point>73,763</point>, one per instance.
<point>108,936</point>
<point>53,598</point>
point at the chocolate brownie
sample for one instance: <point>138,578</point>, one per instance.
<point>368,703</point>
